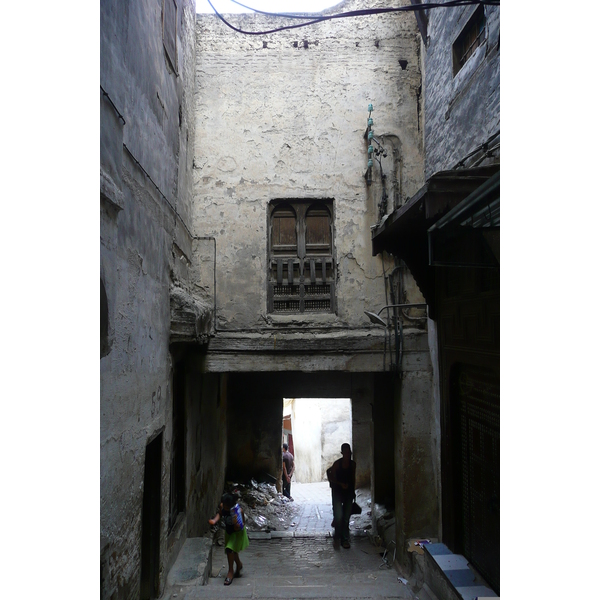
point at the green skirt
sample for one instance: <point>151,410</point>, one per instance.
<point>237,541</point>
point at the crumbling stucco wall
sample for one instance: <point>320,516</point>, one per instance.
<point>147,132</point>
<point>283,116</point>
<point>362,450</point>
<point>205,431</point>
<point>415,456</point>
<point>320,426</point>
<point>336,429</point>
<point>255,414</point>
<point>306,424</point>
<point>462,110</point>
<point>207,445</point>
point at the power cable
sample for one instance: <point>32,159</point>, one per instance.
<point>353,13</point>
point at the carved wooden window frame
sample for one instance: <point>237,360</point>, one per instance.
<point>302,272</point>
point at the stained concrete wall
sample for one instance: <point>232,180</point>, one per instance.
<point>336,429</point>
<point>362,400</point>
<point>205,447</point>
<point>461,111</point>
<point>283,116</point>
<point>306,423</point>
<point>254,429</point>
<point>147,133</point>
<point>416,460</point>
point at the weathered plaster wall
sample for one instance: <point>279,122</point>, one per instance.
<point>320,426</point>
<point>436,429</point>
<point>362,451</point>
<point>207,446</point>
<point>461,111</point>
<point>145,201</point>
<point>255,413</point>
<point>336,429</point>
<point>306,423</point>
<point>283,116</point>
<point>416,461</point>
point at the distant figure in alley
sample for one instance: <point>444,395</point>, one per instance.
<point>288,471</point>
<point>342,477</point>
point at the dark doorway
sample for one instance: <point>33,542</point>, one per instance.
<point>476,394</point>
<point>468,303</point>
<point>177,481</point>
<point>149,588</point>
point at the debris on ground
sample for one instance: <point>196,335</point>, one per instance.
<point>265,508</point>
<point>362,521</point>
<point>268,510</point>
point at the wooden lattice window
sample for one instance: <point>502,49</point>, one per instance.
<point>471,37</point>
<point>318,231</point>
<point>301,274</point>
<point>284,239</point>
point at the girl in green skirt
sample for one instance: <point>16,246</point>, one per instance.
<point>236,537</point>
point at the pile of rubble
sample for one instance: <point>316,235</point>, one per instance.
<point>264,507</point>
<point>362,522</point>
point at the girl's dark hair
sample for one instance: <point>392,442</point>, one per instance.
<point>229,499</point>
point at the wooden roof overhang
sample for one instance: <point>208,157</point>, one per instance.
<point>404,232</point>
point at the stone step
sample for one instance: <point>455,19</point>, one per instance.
<point>451,577</point>
<point>194,563</point>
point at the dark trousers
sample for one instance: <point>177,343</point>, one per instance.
<point>287,488</point>
<point>342,505</point>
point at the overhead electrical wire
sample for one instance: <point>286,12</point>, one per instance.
<point>352,13</point>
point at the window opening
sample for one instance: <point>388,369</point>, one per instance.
<point>301,275</point>
<point>471,37</point>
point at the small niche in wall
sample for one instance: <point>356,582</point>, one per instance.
<point>170,31</point>
<point>104,345</point>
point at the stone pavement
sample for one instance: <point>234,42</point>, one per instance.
<point>301,561</point>
<point>301,567</point>
<point>312,509</point>
<point>313,512</point>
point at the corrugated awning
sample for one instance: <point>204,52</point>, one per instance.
<point>469,234</point>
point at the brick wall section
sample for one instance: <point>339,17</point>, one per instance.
<point>461,111</point>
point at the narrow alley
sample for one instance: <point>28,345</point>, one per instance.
<point>300,244</point>
<point>300,560</point>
